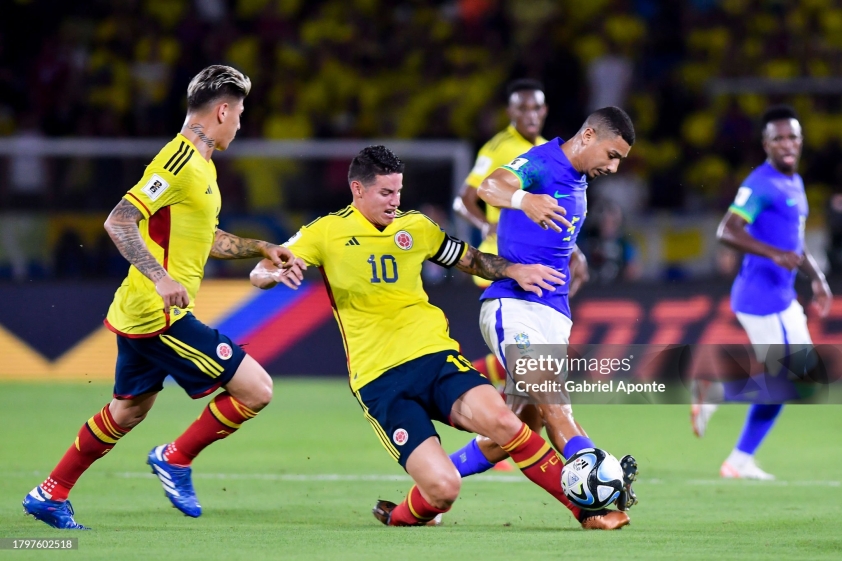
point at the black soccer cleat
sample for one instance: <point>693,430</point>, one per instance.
<point>382,511</point>
<point>627,498</point>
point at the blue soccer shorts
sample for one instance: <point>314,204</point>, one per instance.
<point>200,359</point>
<point>402,403</point>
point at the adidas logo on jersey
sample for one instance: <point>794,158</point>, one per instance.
<point>352,241</point>
<point>209,191</point>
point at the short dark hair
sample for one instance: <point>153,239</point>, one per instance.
<point>215,82</point>
<point>373,161</point>
<point>613,120</point>
<point>522,85</point>
<point>777,113</point>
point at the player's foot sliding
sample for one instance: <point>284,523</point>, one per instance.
<point>413,511</point>
<point>627,498</point>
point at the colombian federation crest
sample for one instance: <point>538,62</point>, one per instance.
<point>224,351</point>
<point>403,240</point>
<point>522,341</point>
<point>400,437</point>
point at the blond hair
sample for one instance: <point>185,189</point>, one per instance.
<point>214,82</point>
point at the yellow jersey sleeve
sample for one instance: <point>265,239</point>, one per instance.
<point>163,182</point>
<point>309,242</point>
<point>483,166</point>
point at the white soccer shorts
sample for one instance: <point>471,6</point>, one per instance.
<point>520,325</point>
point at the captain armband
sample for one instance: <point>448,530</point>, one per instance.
<point>450,252</point>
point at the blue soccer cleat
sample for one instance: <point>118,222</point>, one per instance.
<point>58,514</point>
<point>176,481</point>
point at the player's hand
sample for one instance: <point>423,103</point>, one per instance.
<point>789,260</point>
<point>291,276</point>
<point>535,278</point>
<point>172,292</point>
<point>822,297</point>
<point>279,255</point>
<point>544,211</point>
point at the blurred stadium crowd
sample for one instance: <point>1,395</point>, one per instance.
<point>420,69</point>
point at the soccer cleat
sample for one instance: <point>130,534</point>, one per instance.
<point>748,470</point>
<point>176,482</point>
<point>58,514</point>
<point>382,511</point>
<point>603,519</point>
<point>627,498</point>
<point>706,395</point>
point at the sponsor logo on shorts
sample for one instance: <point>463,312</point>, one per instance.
<point>400,436</point>
<point>403,240</point>
<point>224,351</point>
<point>522,341</point>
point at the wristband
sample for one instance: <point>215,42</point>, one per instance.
<point>517,199</point>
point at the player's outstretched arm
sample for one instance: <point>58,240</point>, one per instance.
<point>503,189</point>
<point>267,275</point>
<point>121,225</point>
<point>822,296</point>
<point>578,270</point>
<point>531,278</point>
<point>465,205</point>
<point>229,246</point>
<point>732,232</point>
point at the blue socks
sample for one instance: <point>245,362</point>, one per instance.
<point>470,460</point>
<point>576,444</point>
<point>759,422</point>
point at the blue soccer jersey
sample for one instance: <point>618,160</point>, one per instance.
<point>775,207</point>
<point>543,170</point>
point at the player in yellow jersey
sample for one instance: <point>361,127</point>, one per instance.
<point>527,110</point>
<point>405,369</point>
<point>166,227</point>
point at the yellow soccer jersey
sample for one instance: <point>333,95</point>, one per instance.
<point>180,202</point>
<point>504,147</point>
<point>373,278</point>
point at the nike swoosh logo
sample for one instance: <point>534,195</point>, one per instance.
<point>557,195</point>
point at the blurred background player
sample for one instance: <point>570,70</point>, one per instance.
<point>527,111</point>
<point>166,227</point>
<point>766,222</point>
<point>545,185</point>
<point>404,368</point>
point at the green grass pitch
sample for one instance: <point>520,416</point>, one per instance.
<point>299,481</point>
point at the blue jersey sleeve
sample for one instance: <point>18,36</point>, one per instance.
<point>750,201</point>
<point>528,168</point>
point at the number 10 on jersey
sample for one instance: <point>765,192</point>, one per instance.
<point>388,269</point>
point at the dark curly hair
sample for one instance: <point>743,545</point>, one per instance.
<point>373,161</point>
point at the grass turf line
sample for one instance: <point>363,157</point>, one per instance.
<point>316,427</point>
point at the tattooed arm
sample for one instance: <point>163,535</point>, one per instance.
<point>229,246</point>
<point>121,225</point>
<point>531,278</point>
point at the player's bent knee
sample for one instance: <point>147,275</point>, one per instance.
<point>251,385</point>
<point>445,490</point>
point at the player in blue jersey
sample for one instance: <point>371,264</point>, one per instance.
<point>766,222</point>
<point>543,202</point>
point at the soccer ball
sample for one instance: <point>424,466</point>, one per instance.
<point>592,479</point>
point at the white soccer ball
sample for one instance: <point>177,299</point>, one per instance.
<point>592,479</point>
